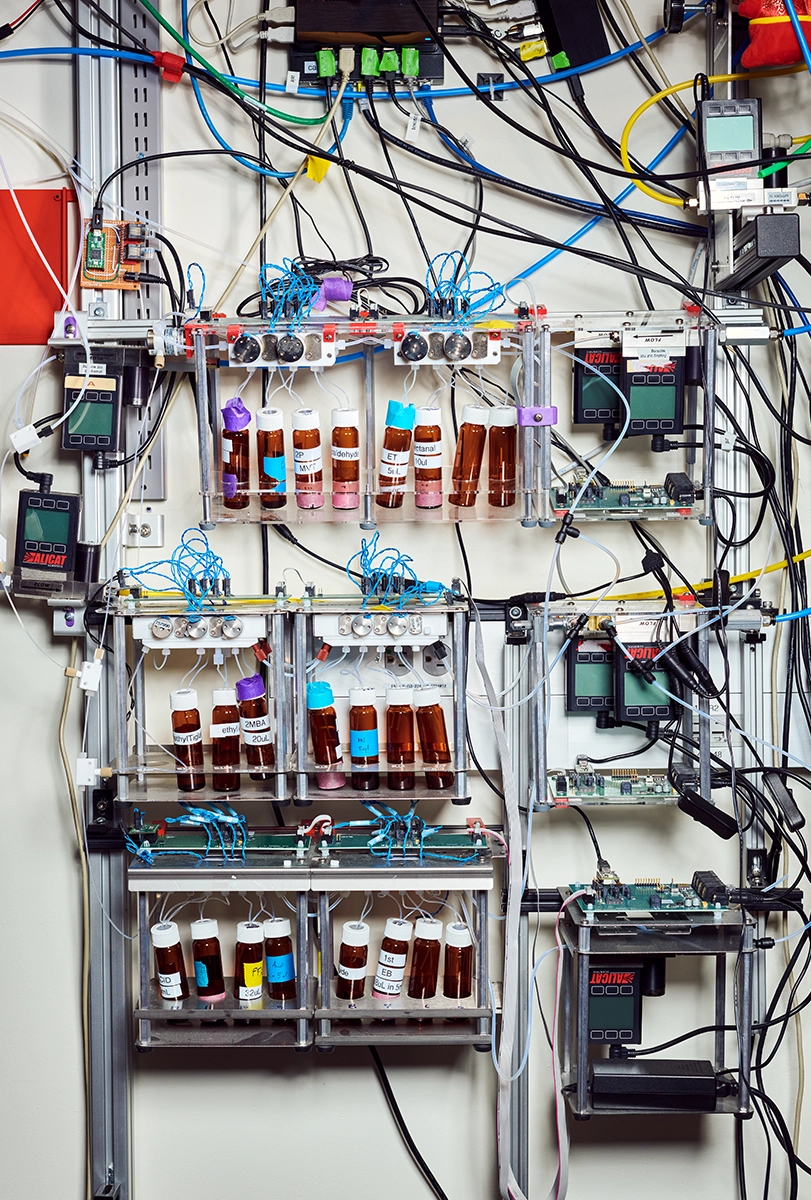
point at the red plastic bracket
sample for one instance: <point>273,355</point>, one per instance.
<point>171,65</point>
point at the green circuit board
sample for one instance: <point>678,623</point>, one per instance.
<point>644,896</point>
<point>625,786</point>
<point>618,500</point>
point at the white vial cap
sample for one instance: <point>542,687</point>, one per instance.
<point>206,927</point>
<point>398,930</point>
<point>429,929</point>
<point>249,932</point>
<point>474,414</point>
<point>426,696</point>
<point>270,419</point>
<point>457,935</point>
<point>275,927</point>
<point>166,933</point>
<point>399,695</point>
<point>343,418</point>
<point>355,933</point>
<point>504,415</point>
<point>183,699</point>
<point>428,416</point>
<point>306,418</point>
<point>361,697</point>
<point>222,696</point>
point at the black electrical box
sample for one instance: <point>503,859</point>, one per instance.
<point>363,22</point>
<point>573,29</point>
<point>589,676</point>
<point>650,1083</point>
<point>596,385</point>
<point>634,698</point>
<point>615,1004</point>
<point>763,246</point>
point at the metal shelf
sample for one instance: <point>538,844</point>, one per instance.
<point>407,513</point>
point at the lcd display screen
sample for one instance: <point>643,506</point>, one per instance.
<point>91,418</point>
<point>651,402</point>
<point>732,133</point>
<point>639,693</point>
<point>598,393</point>
<point>46,525</point>
<point>594,679</point>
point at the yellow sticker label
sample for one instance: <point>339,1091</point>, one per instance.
<point>538,48</point>
<point>316,168</point>
<point>253,974</point>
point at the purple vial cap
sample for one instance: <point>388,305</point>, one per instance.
<point>250,688</point>
<point>235,415</point>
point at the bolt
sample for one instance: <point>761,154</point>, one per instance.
<point>515,613</point>
<point>146,530</point>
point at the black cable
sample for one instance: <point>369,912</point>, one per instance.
<point>285,533</point>
<point>222,40</point>
<point>602,863</point>
<point>158,237</point>
<point>399,1121</point>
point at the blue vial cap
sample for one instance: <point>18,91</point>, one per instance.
<point>399,415</point>
<point>319,694</point>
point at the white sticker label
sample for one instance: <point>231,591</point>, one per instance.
<point>170,985</point>
<point>254,723</point>
<point>351,972</point>
<point>229,729</point>
<point>389,980</point>
<point>291,86</point>
<point>387,959</point>
<point>311,67</point>
<point>92,368</point>
<point>260,738</point>
<point>428,449</point>
<point>413,122</point>
<point>653,347</point>
<point>193,738</point>
<point>394,456</point>
<point>226,450</point>
<point>250,993</point>
<point>346,453</point>
<point>307,462</point>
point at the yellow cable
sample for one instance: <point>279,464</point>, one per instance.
<point>669,91</point>
<point>707,583</point>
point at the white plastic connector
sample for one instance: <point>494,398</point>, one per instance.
<point>283,36</point>
<point>24,439</point>
<point>281,16</point>
<point>86,771</point>
<point>346,60</point>
<point>90,676</point>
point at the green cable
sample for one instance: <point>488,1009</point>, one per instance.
<point>181,41</point>
<point>770,170</point>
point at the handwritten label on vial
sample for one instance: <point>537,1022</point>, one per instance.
<point>281,968</point>
<point>390,973</point>
<point>256,730</point>
<point>346,453</point>
<point>307,462</point>
<point>351,972</point>
<point>251,987</point>
<point>230,729</point>
<point>192,738</point>
<point>363,743</point>
<point>170,985</point>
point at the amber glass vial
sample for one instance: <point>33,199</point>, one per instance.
<point>502,443</point>
<point>364,746</point>
<point>391,961</point>
<point>281,966</point>
<point>467,463</point>
<point>254,721</point>
<point>169,964</point>
<point>428,458</point>
<point>399,738</point>
<point>207,955</point>
<point>307,459</point>
<point>224,734</point>
<point>324,733</point>
<point>271,459</point>
<point>236,454</point>
<point>352,958</point>
<point>433,737</point>
<point>425,959</point>
<point>457,983</point>
<point>248,961</point>
<point>395,454</point>
<point>345,458</point>
<point>187,736</point>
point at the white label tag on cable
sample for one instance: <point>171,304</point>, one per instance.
<point>92,368</point>
<point>653,347</point>
<point>292,82</point>
<point>413,122</point>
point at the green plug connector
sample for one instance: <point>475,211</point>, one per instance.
<point>560,61</point>
<point>410,62</point>
<point>389,62</point>
<point>326,64</point>
<point>369,61</point>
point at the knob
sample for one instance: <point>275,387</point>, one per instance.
<point>361,625</point>
<point>457,347</point>
<point>161,628</point>
<point>398,625</point>
<point>231,627</point>
<point>413,347</point>
<point>197,629</point>
<point>289,348</point>
<point>246,349</point>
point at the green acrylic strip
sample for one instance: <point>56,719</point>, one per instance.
<point>389,62</point>
<point>326,64</point>
<point>410,56</point>
<point>369,61</point>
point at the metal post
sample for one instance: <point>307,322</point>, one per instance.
<point>144,1027</point>
<point>121,706</point>
<point>300,694</point>
<point>567,1014</point>
<point>710,356</point>
<point>543,384</point>
<point>528,520</point>
<point>303,988</point>
<point>139,706</point>
<point>720,1009</point>
<point>704,726</point>
<point>582,1081</point>
<point>460,707</point>
<point>325,927</point>
<point>537,717</point>
<point>280,705</point>
<point>203,431</point>
<point>368,521</point>
<point>745,1017</point>
<point>483,968</point>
